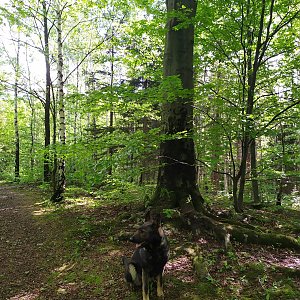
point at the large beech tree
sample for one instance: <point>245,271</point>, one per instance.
<point>177,181</point>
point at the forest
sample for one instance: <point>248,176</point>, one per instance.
<point>189,108</point>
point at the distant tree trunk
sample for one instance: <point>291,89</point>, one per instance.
<point>225,178</point>
<point>76,107</point>
<point>258,35</point>
<point>254,181</point>
<point>251,66</point>
<point>59,187</point>
<point>32,138</point>
<point>177,180</point>
<point>32,117</point>
<point>111,113</point>
<point>47,174</point>
<point>54,138</point>
<point>16,125</point>
<point>287,165</point>
<point>215,175</point>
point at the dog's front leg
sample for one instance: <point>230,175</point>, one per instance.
<point>145,284</point>
<point>160,292</point>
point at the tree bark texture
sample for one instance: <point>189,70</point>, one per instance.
<point>60,183</point>
<point>177,180</point>
<point>16,124</point>
<point>254,181</point>
<point>47,175</point>
<point>111,113</point>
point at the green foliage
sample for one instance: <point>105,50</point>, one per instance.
<point>171,213</point>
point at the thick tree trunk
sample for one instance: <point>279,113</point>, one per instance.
<point>47,175</point>
<point>177,180</point>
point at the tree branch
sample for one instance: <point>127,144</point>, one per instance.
<point>276,117</point>
<point>30,92</point>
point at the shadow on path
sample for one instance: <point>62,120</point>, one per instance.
<point>25,251</point>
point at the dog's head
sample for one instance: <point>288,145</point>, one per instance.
<point>150,232</point>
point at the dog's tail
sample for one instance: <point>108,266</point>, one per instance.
<point>131,274</point>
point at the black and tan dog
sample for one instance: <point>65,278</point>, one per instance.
<point>148,260</point>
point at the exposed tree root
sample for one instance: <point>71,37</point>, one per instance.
<point>57,197</point>
<point>223,231</point>
<point>200,218</point>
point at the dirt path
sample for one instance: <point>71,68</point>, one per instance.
<point>24,251</point>
<point>58,253</point>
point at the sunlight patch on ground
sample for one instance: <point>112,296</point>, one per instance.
<point>285,259</point>
<point>291,262</point>
<point>80,202</point>
<point>296,202</point>
<point>26,296</point>
<point>43,211</point>
<point>115,253</point>
<point>47,207</point>
<point>67,288</point>
<point>65,267</point>
<point>182,267</point>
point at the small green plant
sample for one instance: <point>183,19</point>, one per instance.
<point>263,280</point>
<point>212,280</point>
<point>170,213</point>
<point>226,266</point>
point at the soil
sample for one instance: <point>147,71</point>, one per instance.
<point>73,251</point>
<point>25,251</point>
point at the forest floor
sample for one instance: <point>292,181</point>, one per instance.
<point>73,251</point>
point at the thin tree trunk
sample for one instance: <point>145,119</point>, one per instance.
<point>47,175</point>
<point>251,66</point>
<point>254,181</point>
<point>281,181</point>
<point>242,175</point>
<point>76,107</point>
<point>32,118</point>
<point>111,113</point>
<point>54,138</point>
<point>16,125</point>
<point>61,176</point>
<point>225,178</point>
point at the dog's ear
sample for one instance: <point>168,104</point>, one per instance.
<point>148,216</point>
<point>157,220</point>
